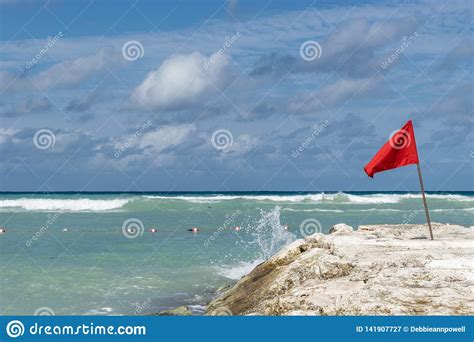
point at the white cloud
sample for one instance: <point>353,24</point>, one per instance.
<point>332,95</point>
<point>182,80</point>
<point>164,137</point>
<point>63,73</point>
<point>242,145</point>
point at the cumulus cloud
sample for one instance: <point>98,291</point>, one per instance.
<point>242,145</point>
<point>182,80</point>
<point>165,137</point>
<point>68,72</point>
<point>350,50</point>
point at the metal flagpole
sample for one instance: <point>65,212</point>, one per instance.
<point>424,200</point>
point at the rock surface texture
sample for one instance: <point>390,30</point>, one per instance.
<point>375,270</point>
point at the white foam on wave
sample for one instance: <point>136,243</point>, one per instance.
<point>237,271</point>
<point>340,211</point>
<point>451,210</point>
<point>48,204</point>
<point>99,312</point>
<point>314,210</point>
<point>322,197</point>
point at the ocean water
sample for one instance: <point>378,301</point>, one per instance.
<point>94,254</point>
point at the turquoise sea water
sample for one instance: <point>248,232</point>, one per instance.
<point>93,253</point>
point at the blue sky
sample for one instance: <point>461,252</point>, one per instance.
<point>232,95</point>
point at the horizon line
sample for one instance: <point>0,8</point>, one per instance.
<point>226,192</point>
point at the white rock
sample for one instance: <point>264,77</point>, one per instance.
<point>341,228</point>
<point>400,272</point>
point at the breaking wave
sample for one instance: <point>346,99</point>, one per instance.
<point>149,202</point>
<point>321,197</point>
<point>47,204</point>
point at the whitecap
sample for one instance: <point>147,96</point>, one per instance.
<point>238,270</point>
<point>339,197</point>
<point>48,204</point>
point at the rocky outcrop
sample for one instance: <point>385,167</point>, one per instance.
<point>179,311</point>
<point>341,228</point>
<point>376,270</point>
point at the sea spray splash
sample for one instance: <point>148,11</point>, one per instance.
<point>262,238</point>
<point>269,233</point>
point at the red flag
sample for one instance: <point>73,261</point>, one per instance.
<point>398,151</point>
